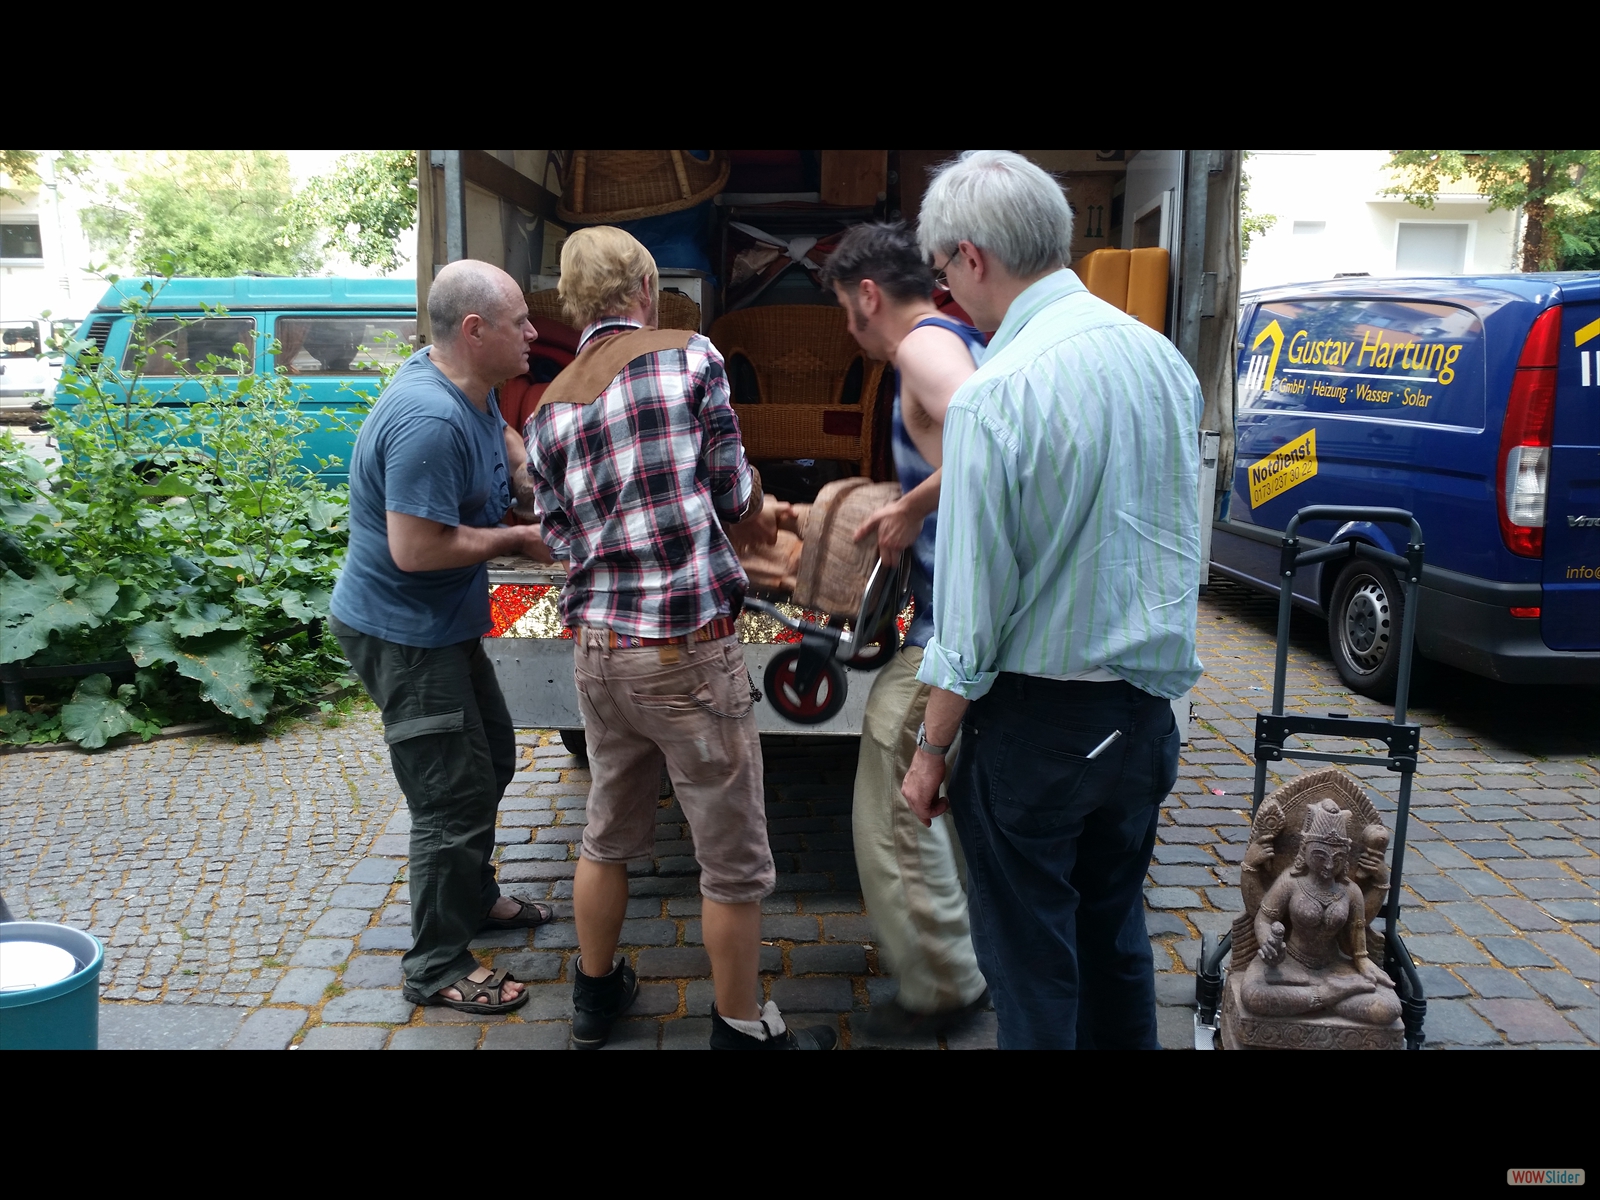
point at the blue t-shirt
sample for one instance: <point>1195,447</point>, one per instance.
<point>427,451</point>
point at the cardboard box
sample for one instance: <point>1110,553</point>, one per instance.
<point>1089,195</point>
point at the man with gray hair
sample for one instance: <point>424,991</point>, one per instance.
<point>1066,573</point>
<point>432,474</point>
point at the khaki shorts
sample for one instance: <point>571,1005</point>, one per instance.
<point>691,706</point>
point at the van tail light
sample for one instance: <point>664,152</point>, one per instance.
<point>1526,438</point>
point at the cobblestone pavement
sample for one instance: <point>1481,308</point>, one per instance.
<point>253,895</point>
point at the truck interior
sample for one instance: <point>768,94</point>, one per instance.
<point>740,236</point>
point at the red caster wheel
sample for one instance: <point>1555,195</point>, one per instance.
<point>875,655</point>
<point>804,701</point>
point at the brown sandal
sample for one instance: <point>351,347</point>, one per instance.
<point>529,915</point>
<point>479,996</point>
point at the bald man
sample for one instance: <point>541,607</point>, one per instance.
<point>431,476</point>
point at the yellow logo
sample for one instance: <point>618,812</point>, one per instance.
<point>1275,332</point>
<point>1283,469</point>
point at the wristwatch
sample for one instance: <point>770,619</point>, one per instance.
<point>925,745</point>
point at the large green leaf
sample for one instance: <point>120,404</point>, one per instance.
<point>224,663</point>
<point>193,619</point>
<point>94,715</point>
<point>46,608</point>
<point>308,607</point>
<point>320,513</point>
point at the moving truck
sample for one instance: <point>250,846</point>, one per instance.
<point>1155,233</point>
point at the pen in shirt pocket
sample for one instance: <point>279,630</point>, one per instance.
<point>1105,745</point>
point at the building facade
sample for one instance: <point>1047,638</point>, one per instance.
<point>1333,219</point>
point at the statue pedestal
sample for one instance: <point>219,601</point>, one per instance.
<point>1243,1031</point>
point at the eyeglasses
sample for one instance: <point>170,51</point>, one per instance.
<point>940,274</point>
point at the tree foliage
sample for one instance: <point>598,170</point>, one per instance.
<point>218,212</point>
<point>21,169</point>
<point>365,204</point>
<point>1251,224</point>
<point>1557,190</point>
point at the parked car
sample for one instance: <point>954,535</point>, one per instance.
<point>27,366</point>
<point>332,337</point>
<point>1473,403</point>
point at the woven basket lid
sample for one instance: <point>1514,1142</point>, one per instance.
<point>601,187</point>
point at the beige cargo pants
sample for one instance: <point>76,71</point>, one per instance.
<point>911,876</point>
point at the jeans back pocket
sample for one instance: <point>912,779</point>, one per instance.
<point>1046,790</point>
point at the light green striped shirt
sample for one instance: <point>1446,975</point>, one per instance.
<point>1069,534</point>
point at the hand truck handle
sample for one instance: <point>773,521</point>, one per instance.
<point>1352,512</point>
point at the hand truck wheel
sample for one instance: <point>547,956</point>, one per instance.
<point>875,654</point>
<point>820,700</point>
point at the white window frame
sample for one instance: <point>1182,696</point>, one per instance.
<point>1468,255</point>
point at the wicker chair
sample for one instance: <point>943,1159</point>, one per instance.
<point>802,357</point>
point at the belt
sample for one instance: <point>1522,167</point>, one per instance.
<point>720,628</point>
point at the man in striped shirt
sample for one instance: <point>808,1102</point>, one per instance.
<point>1066,574</point>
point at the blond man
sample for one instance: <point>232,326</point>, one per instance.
<point>640,479</point>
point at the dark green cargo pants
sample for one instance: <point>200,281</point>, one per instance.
<point>453,750</point>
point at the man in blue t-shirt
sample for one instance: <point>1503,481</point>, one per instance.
<point>432,474</point>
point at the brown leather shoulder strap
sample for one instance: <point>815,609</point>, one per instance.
<point>586,378</point>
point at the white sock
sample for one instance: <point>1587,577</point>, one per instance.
<point>768,1025</point>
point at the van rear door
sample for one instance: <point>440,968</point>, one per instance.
<point>1570,619</point>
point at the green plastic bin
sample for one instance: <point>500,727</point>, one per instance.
<point>64,1015</point>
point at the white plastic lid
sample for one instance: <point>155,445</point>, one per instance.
<point>25,965</point>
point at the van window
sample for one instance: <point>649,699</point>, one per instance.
<point>177,348</point>
<point>342,345</point>
<point>20,341</point>
<point>1396,360</point>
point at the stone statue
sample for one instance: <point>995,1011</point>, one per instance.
<point>1302,975</point>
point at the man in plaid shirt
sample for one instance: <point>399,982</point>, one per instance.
<point>634,491</point>
<point>640,479</point>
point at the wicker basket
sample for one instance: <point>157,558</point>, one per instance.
<point>834,567</point>
<point>604,186</point>
<point>677,310</point>
<point>801,355</point>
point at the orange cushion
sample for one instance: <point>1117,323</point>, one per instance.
<point>1148,272</point>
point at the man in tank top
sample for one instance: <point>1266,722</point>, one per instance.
<point>911,876</point>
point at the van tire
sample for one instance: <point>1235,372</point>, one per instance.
<point>1364,620</point>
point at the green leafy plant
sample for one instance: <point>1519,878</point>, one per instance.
<point>194,538</point>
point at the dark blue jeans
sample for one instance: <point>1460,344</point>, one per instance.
<point>1057,848</point>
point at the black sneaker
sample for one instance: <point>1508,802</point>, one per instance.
<point>598,1001</point>
<point>726,1037</point>
<point>888,1019</point>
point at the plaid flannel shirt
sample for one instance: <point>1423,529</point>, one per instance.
<point>632,490</point>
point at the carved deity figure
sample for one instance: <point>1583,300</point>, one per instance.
<point>1311,908</point>
<point>1303,973</point>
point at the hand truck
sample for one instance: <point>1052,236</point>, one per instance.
<point>1403,739</point>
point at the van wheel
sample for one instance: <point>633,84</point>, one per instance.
<point>577,745</point>
<point>1364,628</point>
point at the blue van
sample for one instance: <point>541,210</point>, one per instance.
<point>1472,402</point>
<point>333,336</point>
